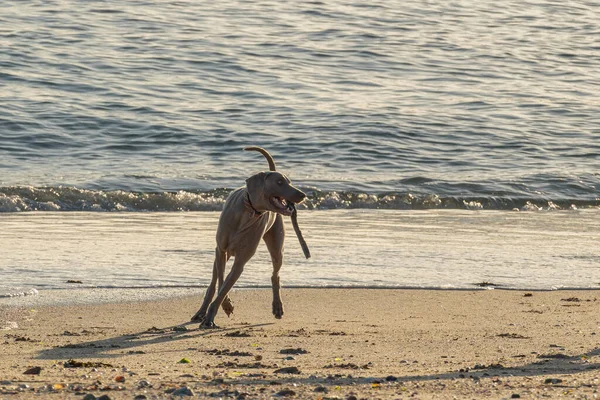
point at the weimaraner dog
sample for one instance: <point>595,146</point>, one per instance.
<point>250,213</point>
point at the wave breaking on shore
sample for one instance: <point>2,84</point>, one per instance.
<point>65,198</point>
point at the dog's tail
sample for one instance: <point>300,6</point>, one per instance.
<point>264,153</point>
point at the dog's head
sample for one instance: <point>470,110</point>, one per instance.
<point>273,191</point>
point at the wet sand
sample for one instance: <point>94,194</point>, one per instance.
<point>447,249</point>
<point>331,343</point>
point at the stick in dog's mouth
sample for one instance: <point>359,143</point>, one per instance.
<point>284,206</point>
<point>305,249</point>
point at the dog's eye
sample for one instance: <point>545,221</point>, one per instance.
<point>280,182</point>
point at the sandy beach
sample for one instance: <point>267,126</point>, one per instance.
<point>331,343</point>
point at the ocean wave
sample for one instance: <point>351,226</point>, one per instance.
<point>10,292</point>
<point>62,198</point>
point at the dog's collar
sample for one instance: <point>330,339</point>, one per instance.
<point>253,211</point>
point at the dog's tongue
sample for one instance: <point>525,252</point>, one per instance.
<point>305,249</point>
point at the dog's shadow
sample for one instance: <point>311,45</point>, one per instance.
<point>118,346</point>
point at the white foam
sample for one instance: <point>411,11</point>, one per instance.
<point>10,292</point>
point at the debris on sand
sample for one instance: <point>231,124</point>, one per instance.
<point>232,364</point>
<point>33,371</point>
<point>487,284</point>
<point>182,391</point>
<point>88,364</point>
<point>287,370</point>
<point>19,338</point>
<point>229,353</point>
<point>572,299</point>
<point>347,366</point>
<point>179,329</point>
<point>285,393</point>
<point>154,330</point>
<point>512,336</point>
<point>293,351</point>
<point>237,334</point>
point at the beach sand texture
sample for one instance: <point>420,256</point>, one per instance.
<point>331,343</point>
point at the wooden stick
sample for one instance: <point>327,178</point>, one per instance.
<point>298,232</point>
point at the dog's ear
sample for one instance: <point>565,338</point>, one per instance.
<point>255,184</point>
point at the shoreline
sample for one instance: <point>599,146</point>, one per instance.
<point>340,342</point>
<point>426,249</point>
<point>79,296</point>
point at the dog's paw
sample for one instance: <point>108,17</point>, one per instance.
<point>227,306</point>
<point>278,309</point>
<point>199,316</point>
<point>208,325</point>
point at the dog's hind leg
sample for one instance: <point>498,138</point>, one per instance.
<point>218,271</point>
<point>274,241</point>
<point>227,305</point>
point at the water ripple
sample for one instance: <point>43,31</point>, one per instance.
<point>429,98</point>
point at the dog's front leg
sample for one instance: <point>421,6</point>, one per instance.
<point>234,274</point>
<point>274,240</point>
<point>227,304</point>
<point>218,266</point>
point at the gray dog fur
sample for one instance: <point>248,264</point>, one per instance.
<point>250,213</point>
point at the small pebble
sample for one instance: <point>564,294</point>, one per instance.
<point>289,358</point>
<point>515,396</point>
<point>285,393</point>
<point>287,370</point>
<point>89,396</point>
<point>143,384</point>
<point>33,371</point>
<point>553,381</point>
<point>182,391</point>
<point>351,397</point>
<point>140,397</point>
<point>103,397</point>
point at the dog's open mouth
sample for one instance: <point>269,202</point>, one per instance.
<point>282,205</point>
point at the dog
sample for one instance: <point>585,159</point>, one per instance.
<point>251,213</point>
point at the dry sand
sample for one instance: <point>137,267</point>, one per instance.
<point>365,343</point>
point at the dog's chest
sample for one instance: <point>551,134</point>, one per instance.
<point>249,233</point>
<point>258,225</point>
<point>267,221</point>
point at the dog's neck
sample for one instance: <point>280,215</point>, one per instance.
<point>248,204</point>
